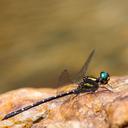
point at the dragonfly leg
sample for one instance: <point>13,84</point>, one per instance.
<point>75,96</point>
<point>110,90</point>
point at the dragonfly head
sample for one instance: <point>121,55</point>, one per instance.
<point>104,77</point>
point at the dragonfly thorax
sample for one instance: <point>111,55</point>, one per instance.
<point>89,81</point>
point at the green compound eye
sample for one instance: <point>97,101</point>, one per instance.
<point>104,75</point>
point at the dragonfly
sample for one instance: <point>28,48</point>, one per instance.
<point>86,84</point>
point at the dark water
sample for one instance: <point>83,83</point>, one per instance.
<point>38,39</point>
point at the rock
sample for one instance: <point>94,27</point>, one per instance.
<point>102,109</point>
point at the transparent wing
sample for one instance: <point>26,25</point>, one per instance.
<point>84,68</point>
<point>65,83</point>
<point>64,78</point>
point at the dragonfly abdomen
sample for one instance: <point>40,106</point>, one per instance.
<point>11,114</point>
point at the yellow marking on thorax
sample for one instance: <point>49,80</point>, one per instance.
<point>88,85</point>
<point>92,78</point>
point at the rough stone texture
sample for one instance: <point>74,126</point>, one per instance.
<point>39,38</point>
<point>103,109</point>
